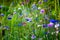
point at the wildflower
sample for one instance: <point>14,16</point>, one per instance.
<point>44,25</point>
<point>10,17</point>
<point>56,25</point>
<point>39,25</point>
<point>0,6</point>
<point>39,8</point>
<point>33,36</point>
<point>50,24</point>
<point>39,2</point>
<point>28,19</point>
<point>53,21</point>
<point>57,32</point>
<point>42,11</point>
<point>2,14</point>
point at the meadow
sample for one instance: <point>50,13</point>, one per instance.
<point>30,20</point>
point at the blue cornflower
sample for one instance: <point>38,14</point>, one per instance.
<point>50,24</point>
<point>28,19</point>
<point>2,14</point>
<point>53,21</point>
<point>9,18</point>
<point>39,2</point>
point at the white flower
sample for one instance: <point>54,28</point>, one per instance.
<point>39,7</point>
<point>19,8</point>
<point>57,25</point>
<point>52,33</point>
<point>57,32</point>
<point>39,25</point>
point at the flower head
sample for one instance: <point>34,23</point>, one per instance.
<point>33,36</point>
<point>0,6</point>
<point>44,25</point>
<point>2,14</point>
<point>42,11</point>
<point>28,19</point>
<point>10,17</point>
<point>57,25</point>
<point>50,24</point>
<point>39,2</point>
<point>53,21</point>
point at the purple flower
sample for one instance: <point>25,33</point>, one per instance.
<point>0,7</point>
<point>33,36</point>
<point>42,11</point>
<point>44,25</point>
<point>39,2</point>
<point>22,3</point>
<point>50,24</point>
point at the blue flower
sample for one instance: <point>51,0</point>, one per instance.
<point>45,0</point>
<point>53,21</point>
<point>44,25</point>
<point>9,18</point>
<point>28,19</point>
<point>2,14</point>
